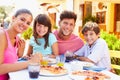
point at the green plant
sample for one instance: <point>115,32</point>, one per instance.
<point>28,33</point>
<point>113,44</point>
<point>111,39</point>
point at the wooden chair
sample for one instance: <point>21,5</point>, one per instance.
<point>115,54</point>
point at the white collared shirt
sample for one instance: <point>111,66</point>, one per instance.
<point>98,53</point>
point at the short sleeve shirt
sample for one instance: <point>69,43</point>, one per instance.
<point>40,47</point>
<point>98,53</point>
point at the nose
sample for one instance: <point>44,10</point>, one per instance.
<point>26,25</point>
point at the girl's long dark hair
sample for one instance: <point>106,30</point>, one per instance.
<point>44,20</point>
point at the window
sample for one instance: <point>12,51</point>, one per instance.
<point>101,17</point>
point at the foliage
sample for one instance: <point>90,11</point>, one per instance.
<point>55,27</point>
<point>28,33</point>
<point>2,14</point>
<point>112,41</point>
<point>89,18</point>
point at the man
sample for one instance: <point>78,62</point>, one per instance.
<point>67,41</point>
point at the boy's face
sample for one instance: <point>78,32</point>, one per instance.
<point>91,37</point>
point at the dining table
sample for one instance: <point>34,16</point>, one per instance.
<point>24,75</point>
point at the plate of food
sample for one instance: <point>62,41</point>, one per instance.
<point>53,70</point>
<point>89,75</point>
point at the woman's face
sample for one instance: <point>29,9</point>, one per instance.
<point>41,30</point>
<point>21,22</point>
<point>91,37</point>
<point>67,26</point>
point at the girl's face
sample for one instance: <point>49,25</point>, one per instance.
<point>41,30</point>
<point>21,22</point>
<point>91,37</point>
<point>67,26</point>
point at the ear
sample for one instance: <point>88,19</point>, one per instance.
<point>59,23</point>
<point>98,34</point>
<point>13,18</point>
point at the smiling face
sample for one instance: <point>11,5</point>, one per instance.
<point>41,30</point>
<point>91,37</point>
<point>67,26</point>
<point>21,22</point>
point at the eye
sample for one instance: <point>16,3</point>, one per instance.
<point>22,19</point>
<point>65,23</point>
<point>28,23</point>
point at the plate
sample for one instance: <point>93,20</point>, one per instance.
<point>93,68</point>
<point>53,71</point>
<point>76,77</point>
<point>91,74</point>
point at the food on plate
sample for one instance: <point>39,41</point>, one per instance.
<point>88,78</point>
<point>99,75</point>
<point>94,78</point>
<point>53,69</point>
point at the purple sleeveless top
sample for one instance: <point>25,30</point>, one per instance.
<point>10,54</point>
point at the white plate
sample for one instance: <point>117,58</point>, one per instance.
<point>76,77</point>
<point>47,73</point>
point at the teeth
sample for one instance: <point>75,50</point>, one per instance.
<point>21,28</point>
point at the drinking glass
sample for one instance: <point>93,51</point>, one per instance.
<point>60,60</point>
<point>34,69</point>
<point>44,62</point>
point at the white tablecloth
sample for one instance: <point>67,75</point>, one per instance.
<point>23,75</point>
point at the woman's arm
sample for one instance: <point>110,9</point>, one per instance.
<point>6,68</point>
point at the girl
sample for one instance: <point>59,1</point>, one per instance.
<point>11,47</point>
<point>43,40</point>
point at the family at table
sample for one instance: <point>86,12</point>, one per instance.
<point>45,42</point>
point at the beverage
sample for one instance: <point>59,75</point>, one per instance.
<point>60,60</point>
<point>60,64</point>
<point>33,74</point>
<point>34,69</point>
<point>44,63</point>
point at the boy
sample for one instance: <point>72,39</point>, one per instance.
<point>95,50</point>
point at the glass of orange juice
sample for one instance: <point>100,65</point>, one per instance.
<point>44,62</point>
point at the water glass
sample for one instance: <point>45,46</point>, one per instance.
<point>60,60</point>
<point>34,69</point>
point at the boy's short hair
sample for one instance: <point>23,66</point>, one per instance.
<point>68,14</point>
<point>91,26</point>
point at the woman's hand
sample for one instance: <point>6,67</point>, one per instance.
<point>21,47</point>
<point>36,58</point>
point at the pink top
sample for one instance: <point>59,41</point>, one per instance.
<point>10,54</point>
<point>72,44</point>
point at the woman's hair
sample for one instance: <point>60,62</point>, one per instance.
<point>44,20</point>
<point>21,11</point>
<point>68,14</point>
<point>91,26</point>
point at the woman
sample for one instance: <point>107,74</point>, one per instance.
<point>12,47</point>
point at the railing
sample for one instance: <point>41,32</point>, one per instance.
<point>115,60</point>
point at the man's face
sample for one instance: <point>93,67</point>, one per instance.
<point>67,26</point>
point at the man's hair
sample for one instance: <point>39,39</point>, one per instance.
<point>68,14</point>
<point>91,26</point>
